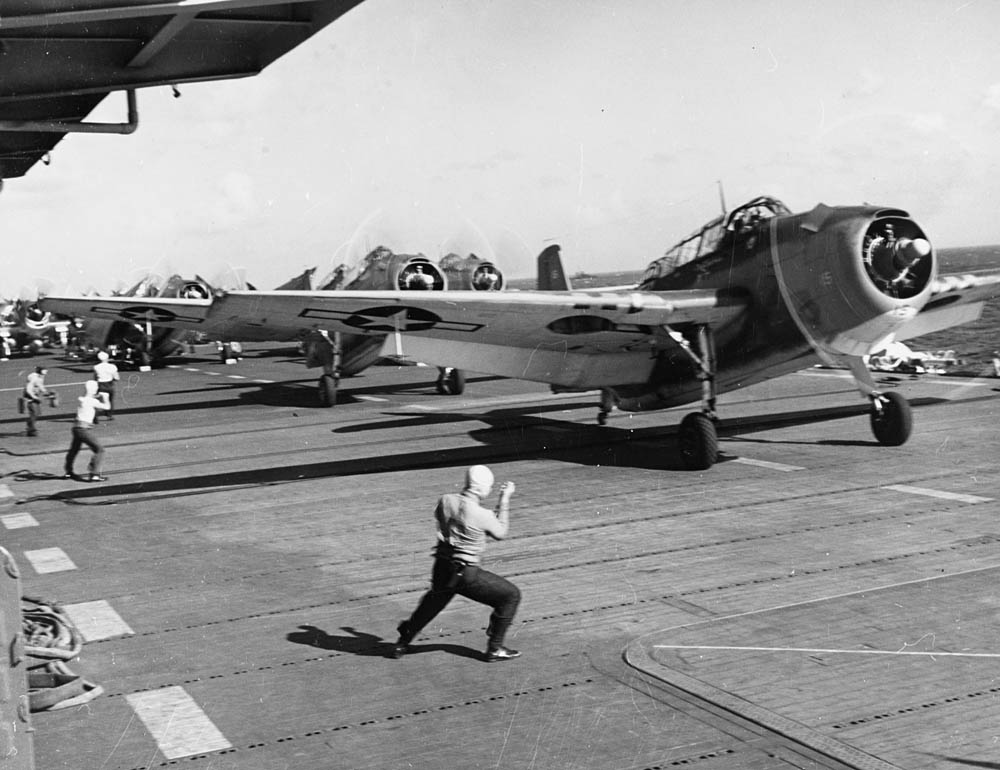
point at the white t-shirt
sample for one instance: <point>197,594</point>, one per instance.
<point>87,410</point>
<point>106,371</point>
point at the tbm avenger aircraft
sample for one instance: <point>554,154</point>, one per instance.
<point>756,293</point>
<point>148,319</point>
<point>25,328</point>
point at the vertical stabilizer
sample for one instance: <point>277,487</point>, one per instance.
<point>551,276</point>
<point>301,282</point>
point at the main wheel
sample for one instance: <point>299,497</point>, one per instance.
<point>892,419</point>
<point>451,382</point>
<point>699,443</point>
<point>327,390</point>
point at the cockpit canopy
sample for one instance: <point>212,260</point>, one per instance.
<point>708,238</point>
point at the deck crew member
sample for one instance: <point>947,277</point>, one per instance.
<point>462,528</point>
<point>83,432</point>
<point>106,374</point>
<point>34,392</point>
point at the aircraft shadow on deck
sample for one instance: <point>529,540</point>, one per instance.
<point>512,434</point>
<point>361,643</point>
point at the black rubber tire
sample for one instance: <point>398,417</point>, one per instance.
<point>327,390</point>
<point>699,442</point>
<point>452,382</point>
<point>893,423</point>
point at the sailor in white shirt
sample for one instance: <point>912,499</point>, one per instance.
<point>83,432</point>
<point>106,374</point>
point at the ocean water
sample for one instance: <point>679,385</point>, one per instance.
<point>972,343</point>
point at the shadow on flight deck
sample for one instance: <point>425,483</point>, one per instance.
<point>512,434</point>
<point>369,645</point>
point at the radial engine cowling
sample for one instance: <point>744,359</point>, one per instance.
<point>472,273</point>
<point>383,270</point>
<point>185,288</point>
<point>851,277</point>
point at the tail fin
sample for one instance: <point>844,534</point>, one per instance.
<point>301,282</point>
<point>551,276</point>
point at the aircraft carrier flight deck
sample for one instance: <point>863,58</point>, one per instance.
<point>814,600</point>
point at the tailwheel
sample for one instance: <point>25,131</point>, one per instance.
<point>892,419</point>
<point>699,442</point>
<point>327,390</point>
<point>451,381</point>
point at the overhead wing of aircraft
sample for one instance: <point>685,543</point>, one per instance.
<point>62,57</point>
<point>754,294</point>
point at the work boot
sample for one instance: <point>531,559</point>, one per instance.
<point>402,645</point>
<point>97,477</point>
<point>501,653</point>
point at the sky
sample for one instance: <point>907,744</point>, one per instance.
<point>503,127</point>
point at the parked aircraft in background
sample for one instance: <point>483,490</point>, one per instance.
<point>148,332</point>
<point>26,328</point>
<point>139,343</point>
<point>344,353</point>
<point>756,293</point>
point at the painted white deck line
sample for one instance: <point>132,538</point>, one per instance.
<point>768,464</point>
<point>97,620</point>
<point>46,560</point>
<point>5,491</point>
<point>829,651</point>
<point>18,520</point>
<point>370,398</point>
<point>962,498</point>
<point>177,724</point>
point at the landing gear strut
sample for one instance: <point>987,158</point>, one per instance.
<point>698,438</point>
<point>320,350</point>
<point>328,389</point>
<point>606,407</point>
<point>891,416</point>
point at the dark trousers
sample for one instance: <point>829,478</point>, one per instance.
<point>86,436</point>
<point>450,578</point>
<point>34,409</point>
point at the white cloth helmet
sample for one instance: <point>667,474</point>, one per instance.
<point>479,480</point>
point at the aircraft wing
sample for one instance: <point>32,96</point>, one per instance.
<point>62,57</point>
<point>569,339</point>
<point>955,300</point>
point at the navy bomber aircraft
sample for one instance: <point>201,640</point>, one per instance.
<point>756,293</point>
